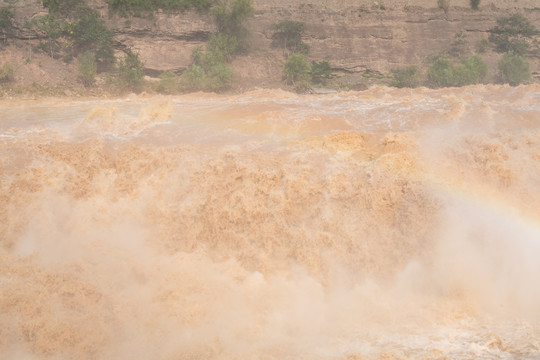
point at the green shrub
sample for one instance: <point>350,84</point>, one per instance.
<point>145,7</point>
<point>320,72</point>
<point>460,46</point>
<point>87,66</point>
<point>440,73</point>
<point>216,78</point>
<point>444,5</point>
<point>199,5</point>
<point>7,73</point>
<point>64,6</point>
<point>6,18</point>
<point>130,7</point>
<point>49,31</point>
<point>6,21</point>
<point>223,46</point>
<point>194,77</point>
<point>443,73</point>
<point>209,70</point>
<point>288,34</point>
<point>91,34</point>
<point>296,69</point>
<point>482,46</point>
<point>472,70</point>
<point>168,83</point>
<point>128,73</point>
<point>303,86</point>
<point>513,33</point>
<point>62,38</point>
<point>219,77</point>
<point>474,4</point>
<point>230,16</point>
<point>208,58</point>
<point>513,69</point>
<point>407,77</point>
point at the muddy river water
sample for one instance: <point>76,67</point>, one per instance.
<point>384,224</point>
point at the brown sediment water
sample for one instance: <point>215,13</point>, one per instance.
<point>384,224</point>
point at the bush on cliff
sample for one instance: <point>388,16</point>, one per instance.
<point>168,83</point>
<point>482,46</point>
<point>288,34</point>
<point>6,21</point>
<point>472,70</point>
<point>209,70</point>
<point>229,17</point>
<point>87,67</point>
<point>61,38</point>
<point>50,32</point>
<point>147,7</point>
<point>460,46</point>
<point>320,72</point>
<point>64,6</point>
<point>90,33</point>
<point>223,46</point>
<point>296,69</point>
<point>406,77</point>
<point>128,73</point>
<point>7,73</point>
<point>443,73</point>
<point>444,5</point>
<point>218,77</point>
<point>513,69</point>
<point>513,33</point>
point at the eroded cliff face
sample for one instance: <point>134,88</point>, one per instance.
<point>355,37</point>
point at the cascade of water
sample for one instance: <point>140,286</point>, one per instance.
<point>385,224</point>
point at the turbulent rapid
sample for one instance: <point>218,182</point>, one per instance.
<point>384,224</point>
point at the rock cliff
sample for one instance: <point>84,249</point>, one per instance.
<point>360,39</point>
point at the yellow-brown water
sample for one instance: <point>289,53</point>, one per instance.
<point>386,224</point>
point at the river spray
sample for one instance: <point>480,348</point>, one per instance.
<point>385,224</point>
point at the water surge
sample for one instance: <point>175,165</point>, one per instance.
<point>385,224</point>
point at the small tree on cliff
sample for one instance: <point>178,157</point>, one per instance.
<point>407,77</point>
<point>474,4</point>
<point>513,33</point>
<point>443,73</point>
<point>296,71</point>
<point>320,72</point>
<point>6,21</point>
<point>87,67</point>
<point>147,7</point>
<point>90,33</point>
<point>50,31</point>
<point>513,69</point>
<point>288,34</point>
<point>444,5</point>
<point>7,73</point>
<point>64,6</point>
<point>230,16</point>
<point>209,69</point>
<point>128,73</point>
